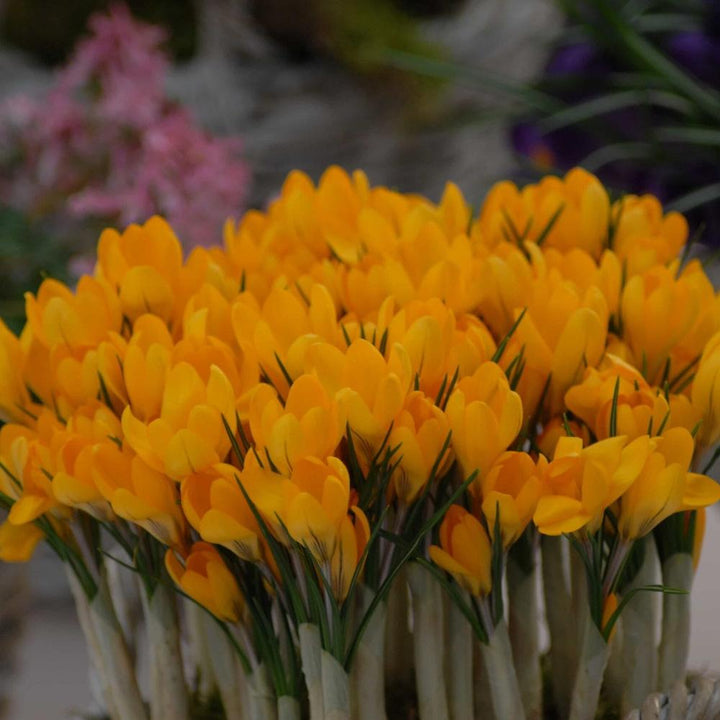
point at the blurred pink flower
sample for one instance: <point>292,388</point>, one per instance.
<point>107,144</point>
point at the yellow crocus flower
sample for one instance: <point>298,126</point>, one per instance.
<point>581,483</point>
<point>353,536</point>
<point>464,551</point>
<point>282,329</point>
<point>18,542</point>
<point>658,311</point>
<point>705,393</point>
<point>506,282</point>
<point>369,389</point>
<point>556,428</point>
<point>143,264</point>
<point>39,455</point>
<point>316,500</point>
<point>215,506</point>
<point>139,493</point>
<point>639,407</point>
<point>78,320</point>
<point>73,483</point>
<point>14,395</point>
<point>643,236</point>
<point>419,432</point>
<point>439,342</point>
<point>510,492</point>
<point>145,366</point>
<point>310,423</point>
<point>189,434</point>
<point>204,576</point>
<point>665,486</point>
<point>564,331</point>
<point>485,417</point>
<point>579,197</point>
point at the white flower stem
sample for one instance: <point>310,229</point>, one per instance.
<point>310,649</point>
<point>115,657</point>
<point>502,679</point>
<point>482,701</point>
<point>428,644</point>
<point>97,666</point>
<point>639,628</point>
<point>398,638</point>
<point>336,688</point>
<point>677,572</point>
<point>224,668</point>
<point>592,660</point>
<point>524,626</point>
<point>556,591</point>
<point>125,592</point>
<point>459,664</point>
<point>168,691</point>
<point>288,708</point>
<point>367,674</point>
<point>198,654</point>
<point>263,703</point>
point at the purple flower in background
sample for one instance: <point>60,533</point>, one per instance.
<point>697,52</point>
<point>106,144</point>
<point>623,134</point>
<point>576,59</point>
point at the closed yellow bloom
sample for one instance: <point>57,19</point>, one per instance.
<point>438,342</point>
<point>215,506</point>
<point>15,441</point>
<point>317,499</point>
<point>352,539</point>
<point>485,417</point>
<point>139,493</point>
<point>506,283</point>
<point>189,435</point>
<point>658,310</point>
<point>705,393</point>
<point>283,328</point>
<point>665,486</point>
<point>510,493</point>
<point>563,331</point>
<point>584,271</point>
<point>143,264</point>
<point>204,576</point>
<point>643,236</point>
<point>464,551</point>
<point>288,239</point>
<point>369,390</point>
<point>145,366</point>
<point>582,221</point>
<point>556,428</point>
<point>238,363</point>
<point>18,542</point>
<point>456,278</point>
<point>309,424</point>
<point>581,483</point>
<point>639,408</point>
<point>78,320</point>
<point>420,430</point>
<point>73,482</point>
<point>362,288</point>
<point>212,300</point>
<point>40,458</point>
<point>14,396</point>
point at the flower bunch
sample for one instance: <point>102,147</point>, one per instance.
<point>366,400</point>
<point>107,144</point>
